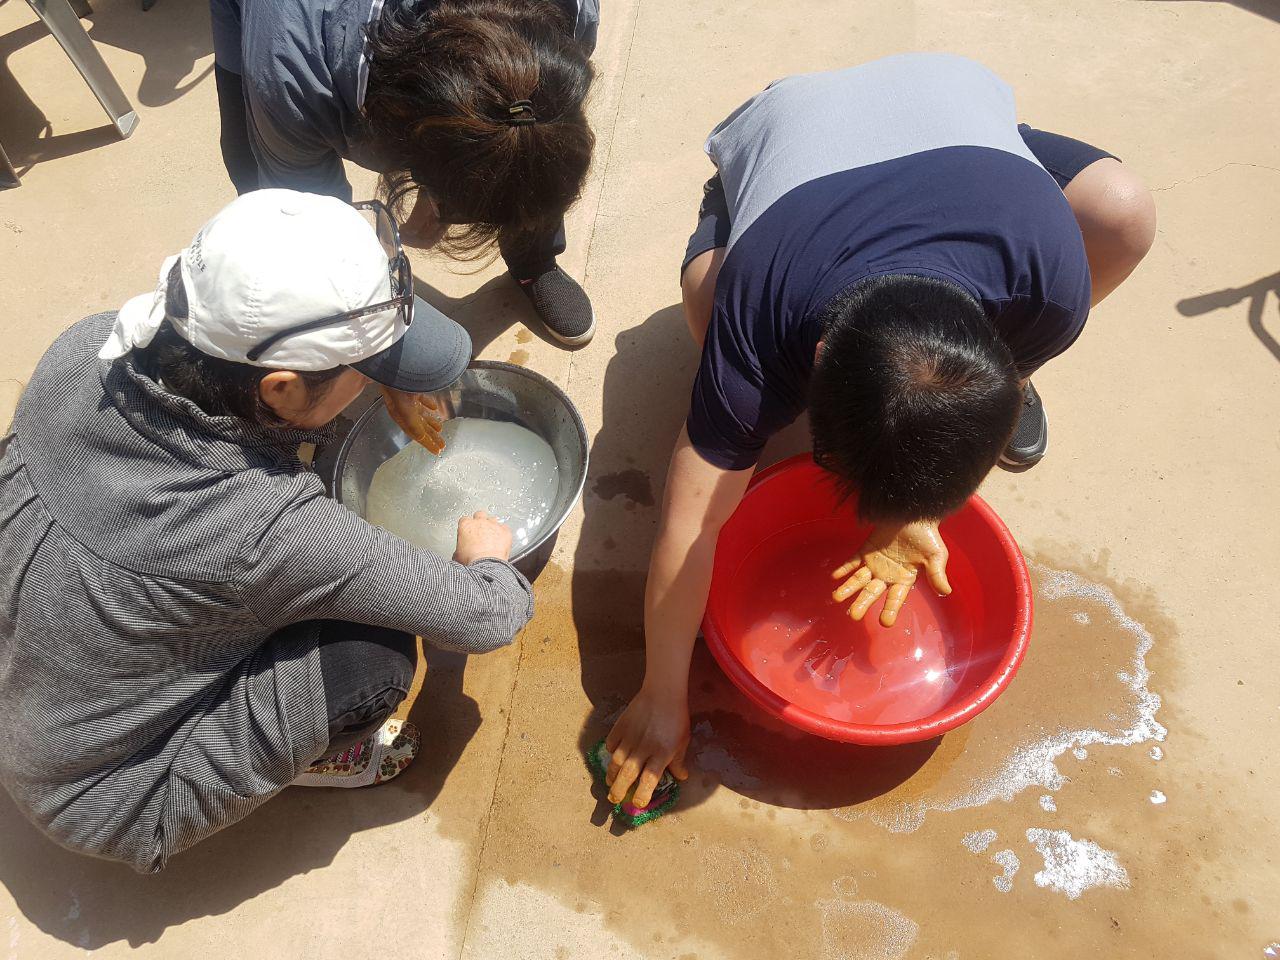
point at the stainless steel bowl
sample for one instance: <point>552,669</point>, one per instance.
<point>488,390</point>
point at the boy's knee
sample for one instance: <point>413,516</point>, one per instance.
<point>1133,216</point>
<point>1121,212</point>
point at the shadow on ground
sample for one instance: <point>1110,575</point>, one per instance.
<point>170,39</point>
<point>1255,293</point>
<point>735,745</point>
<point>1270,9</point>
<point>489,311</point>
<point>25,131</point>
<point>91,903</point>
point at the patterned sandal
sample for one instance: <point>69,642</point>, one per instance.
<point>379,757</point>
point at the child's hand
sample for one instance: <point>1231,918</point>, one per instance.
<point>888,563</point>
<point>480,537</point>
<point>418,415</point>
<point>652,735</point>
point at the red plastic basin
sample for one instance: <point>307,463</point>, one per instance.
<point>774,629</point>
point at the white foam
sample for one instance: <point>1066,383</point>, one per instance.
<point>489,465</point>
<point>1008,860</point>
<point>1080,617</point>
<point>712,757</point>
<point>522,921</point>
<point>1073,866</point>
<point>864,930</point>
<point>1157,797</point>
<point>1271,951</point>
<point>979,840</point>
<point>1157,753</point>
<point>1048,804</point>
<point>1034,764</point>
<point>846,886</point>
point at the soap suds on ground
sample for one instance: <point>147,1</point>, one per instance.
<point>1073,866</point>
<point>1034,763</point>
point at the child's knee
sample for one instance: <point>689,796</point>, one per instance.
<point>1133,216</point>
<point>1119,212</point>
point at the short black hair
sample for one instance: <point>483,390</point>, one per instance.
<point>442,81</point>
<point>219,387</point>
<point>913,396</point>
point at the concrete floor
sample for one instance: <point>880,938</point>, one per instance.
<point>1152,527</point>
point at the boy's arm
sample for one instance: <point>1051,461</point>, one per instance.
<point>653,732</point>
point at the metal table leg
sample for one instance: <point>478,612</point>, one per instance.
<point>8,175</point>
<point>66,28</point>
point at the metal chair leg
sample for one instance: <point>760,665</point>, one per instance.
<point>65,26</point>
<point>8,175</point>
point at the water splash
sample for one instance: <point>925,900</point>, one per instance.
<point>1073,866</point>
<point>489,465</point>
<point>1008,861</point>
<point>865,930</point>
<point>1034,764</point>
<point>979,840</point>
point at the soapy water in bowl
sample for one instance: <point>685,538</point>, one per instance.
<point>804,647</point>
<point>499,467</point>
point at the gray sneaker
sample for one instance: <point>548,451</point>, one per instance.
<point>1030,437</point>
<point>562,305</point>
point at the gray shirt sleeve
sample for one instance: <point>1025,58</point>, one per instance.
<point>319,561</point>
<point>290,154</point>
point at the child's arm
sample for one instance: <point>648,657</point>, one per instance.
<point>653,732</point>
<point>318,561</point>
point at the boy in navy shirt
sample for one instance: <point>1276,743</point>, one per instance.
<point>887,248</point>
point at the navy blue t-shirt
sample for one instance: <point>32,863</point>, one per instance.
<point>908,165</point>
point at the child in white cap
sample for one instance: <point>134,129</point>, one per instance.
<point>188,624</point>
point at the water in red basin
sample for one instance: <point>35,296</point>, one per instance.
<point>773,626</point>
<point>803,645</point>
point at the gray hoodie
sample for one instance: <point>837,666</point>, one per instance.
<point>159,569</point>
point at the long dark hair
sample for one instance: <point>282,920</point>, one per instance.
<point>441,84</point>
<point>218,387</point>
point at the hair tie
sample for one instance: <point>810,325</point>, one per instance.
<point>521,113</point>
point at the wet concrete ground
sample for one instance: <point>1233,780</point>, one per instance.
<point>1118,801</point>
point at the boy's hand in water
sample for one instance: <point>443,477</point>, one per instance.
<point>888,564</point>
<point>481,537</point>
<point>652,735</point>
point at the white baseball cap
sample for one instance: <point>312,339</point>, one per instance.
<point>273,265</point>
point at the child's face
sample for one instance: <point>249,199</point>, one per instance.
<point>286,393</point>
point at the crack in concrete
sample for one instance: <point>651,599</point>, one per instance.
<point>1232,163</point>
<point>608,158</point>
<point>613,130</point>
<point>586,267</point>
<point>493,801</point>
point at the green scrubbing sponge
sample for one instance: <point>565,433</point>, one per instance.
<point>665,794</point>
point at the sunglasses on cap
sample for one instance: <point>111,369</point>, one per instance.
<point>384,226</point>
